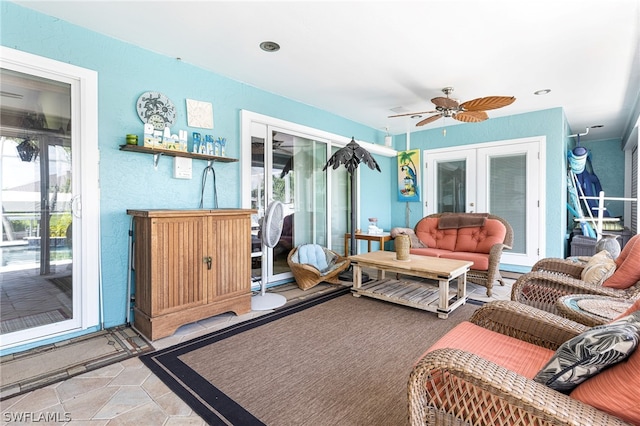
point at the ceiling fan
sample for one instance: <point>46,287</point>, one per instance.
<point>472,111</point>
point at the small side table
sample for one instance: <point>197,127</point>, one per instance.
<point>590,309</point>
<point>381,238</point>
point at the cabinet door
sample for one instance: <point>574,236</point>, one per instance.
<point>229,244</point>
<point>177,264</point>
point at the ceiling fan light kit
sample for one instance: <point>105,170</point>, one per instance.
<point>472,111</point>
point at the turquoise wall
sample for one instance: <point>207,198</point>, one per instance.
<point>604,154</point>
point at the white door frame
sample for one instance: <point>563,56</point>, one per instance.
<point>476,172</point>
<point>85,190</point>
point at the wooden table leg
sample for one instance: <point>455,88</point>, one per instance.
<point>443,302</point>
<point>462,287</point>
<point>357,277</point>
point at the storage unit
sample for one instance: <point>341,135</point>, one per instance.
<point>189,265</point>
<point>582,245</point>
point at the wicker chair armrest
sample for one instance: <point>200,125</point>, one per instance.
<point>543,289</point>
<point>526,323</point>
<point>451,386</point>
<point>496,250</point>
<point>559,266</point>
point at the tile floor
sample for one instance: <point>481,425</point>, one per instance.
<point>128,393</point>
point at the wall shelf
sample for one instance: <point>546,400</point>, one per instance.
<point>158,152</point>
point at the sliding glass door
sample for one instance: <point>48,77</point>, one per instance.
<point>287,167</point>
<point>48,261</point>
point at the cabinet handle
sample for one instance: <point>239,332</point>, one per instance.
<point>208,260</point>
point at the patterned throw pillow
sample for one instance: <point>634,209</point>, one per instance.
<point>599,267</point>
<point>590,352</point>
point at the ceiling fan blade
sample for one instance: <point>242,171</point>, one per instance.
<point>471,116</point>
<point>446,103</point>
<point>490,102</point>
<point>428,120</point>
<point>412,113</point>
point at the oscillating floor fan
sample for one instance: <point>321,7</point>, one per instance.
<point>271,231</point>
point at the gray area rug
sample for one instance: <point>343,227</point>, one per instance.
<point>344,361</point>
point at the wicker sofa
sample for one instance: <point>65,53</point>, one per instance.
<point>476,237</point>
<point>481,372</point>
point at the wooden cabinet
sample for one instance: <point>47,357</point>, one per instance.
<point>189,265</point>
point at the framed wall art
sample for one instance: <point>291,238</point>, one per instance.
<point>409,175</point>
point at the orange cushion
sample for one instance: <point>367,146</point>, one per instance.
<point>428,251</point>
<point>480,260</point>
<point>632,309</point>
<point>614,390</point>
<point>628,269</point>
<point>516,355</point>
<point>626,249</point>
<point>427,231</point>
<point>481,239</point>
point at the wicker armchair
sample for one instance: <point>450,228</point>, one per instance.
<point>454,387</point>
<point>550,279</point>
<point>307,275</point>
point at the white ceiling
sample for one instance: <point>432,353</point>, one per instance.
<point>361,59</point>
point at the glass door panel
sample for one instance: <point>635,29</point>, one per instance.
<point>450,177</point>
<point>451,189</point>
<point>507,194</point>
<point>340,205</point>
<point>296,179</point>
<point>508,186</point>
<point>36,258</point>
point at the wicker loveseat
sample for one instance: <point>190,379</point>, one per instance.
<point>481,373</point>
<point>479,238</point>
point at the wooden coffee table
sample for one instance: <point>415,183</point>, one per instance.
<point>415,294</point>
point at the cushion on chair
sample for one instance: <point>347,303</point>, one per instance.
<point>313,254</point>
<point>626,250</point>
<point>614,390</point>
<point>599,267</point>
<point>428,251</point>
<point>516,355</point>
<point>480,260</point>
<point>480,240</point>
<point>427,231</point>
<point>628,269</point>
<point>590,352</point>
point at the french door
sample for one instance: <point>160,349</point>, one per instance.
<point>502,178</point>
<point>50,198</point>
